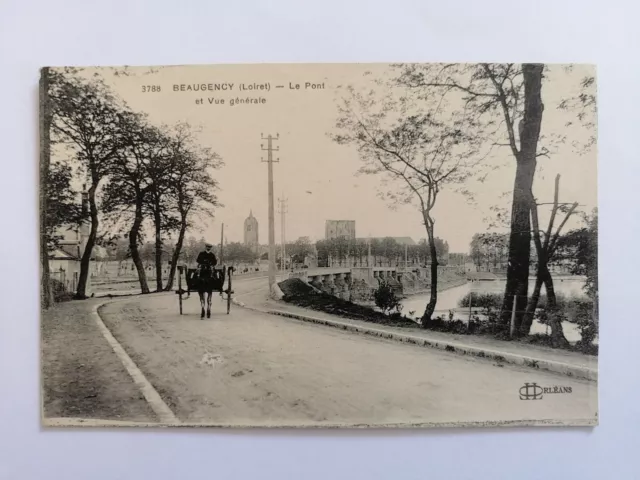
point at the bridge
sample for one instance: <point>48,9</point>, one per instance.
<point>350,283</point>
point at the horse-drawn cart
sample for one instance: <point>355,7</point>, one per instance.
<point>206,280</point>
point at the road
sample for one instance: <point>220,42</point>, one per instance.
<point>254,368</point>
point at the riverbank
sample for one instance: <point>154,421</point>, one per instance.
<point>449,302</point>
<point>442,286</point>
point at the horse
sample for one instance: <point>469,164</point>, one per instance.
<point>205,280</point>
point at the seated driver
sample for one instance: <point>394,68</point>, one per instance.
<point>207,257</point>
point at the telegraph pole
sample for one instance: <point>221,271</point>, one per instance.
<point>283,209</point>
<point>272,241</point>
<point>221,244</point>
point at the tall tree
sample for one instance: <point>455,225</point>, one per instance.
<point>476,251</point>
<point>45,162</point>
<point>322,249</point>
<point>413,148</point>
<point>504,102</point>
<point>514,91</point>
<point>424,249</point>
<point>297,251</point>
<point>192,188</point>
<point>361,248</point>
<point>489,250</point>
<point>120,250</point>
<point>62,206</point>
<point>546,244</point>
<point>158,202</point>
<point>579,249</point>
<point>376,251</point>
<point>236,252</point>
<point>86,118</point>
<point>129,184</point>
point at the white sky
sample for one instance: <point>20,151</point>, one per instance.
<point>317,175</point>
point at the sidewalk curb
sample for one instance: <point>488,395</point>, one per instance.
<point>150,394</point>
<point>568,370</point>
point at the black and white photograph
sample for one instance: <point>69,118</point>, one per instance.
<point>319,245</point>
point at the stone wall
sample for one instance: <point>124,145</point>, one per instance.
<point>357,284</point>
<point>361,292</point>
<point>342,286</point>
<point>414,282</point>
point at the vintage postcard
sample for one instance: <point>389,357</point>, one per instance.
<point>319,245</point>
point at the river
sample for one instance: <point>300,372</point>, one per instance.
<point>448,300</point>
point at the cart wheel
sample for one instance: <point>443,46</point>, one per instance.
<point>229,291</point>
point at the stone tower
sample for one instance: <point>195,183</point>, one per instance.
<point>251,231</point>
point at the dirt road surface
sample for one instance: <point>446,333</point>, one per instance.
<point>254,368</point>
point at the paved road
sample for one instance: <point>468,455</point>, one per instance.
<point>253,368</point>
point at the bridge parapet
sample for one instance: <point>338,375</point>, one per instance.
<point>343,282</point>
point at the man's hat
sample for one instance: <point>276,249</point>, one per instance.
<point>208,245</point>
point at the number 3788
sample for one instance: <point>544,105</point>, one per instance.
<point>150,88</point>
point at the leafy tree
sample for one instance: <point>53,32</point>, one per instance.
<point>126,194</point>
<point>322,249</point>
<point>386,299</point>
<point>504,104</point>
<point>236,252</point>
<point>192,188</point>
<point>376,251</point>
<point>489,249</point>
<point>419,149</point>
<point>158,203</point>
<point>45,163</point>
<point>513,91</point>
<point>86,119</point>
<point>297,251</point>
<point>118,248</point>
<point>579,247</point>
<point>424,250</point>
<point>546,244</point>
<point>147,253</point>
<point>442,250</point>
<point>191,250</point>
<point>63,208</point>
<point>389,249</point>
<point>413,252</point>
<point>361,249</point>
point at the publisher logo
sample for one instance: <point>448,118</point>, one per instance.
<point>533,391</point>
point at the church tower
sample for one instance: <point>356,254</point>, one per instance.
<point>251,231</point>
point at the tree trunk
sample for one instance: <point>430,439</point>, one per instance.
<point>520,235</point>
<point>527,319</point>
<point>133,247</point>
<point>548,285</point>
<point>45,160</point>
<point>158,226</point>
<point>175,257</point>
<point>433,298</point>
<point>558,339</point>
<point>85,261</point>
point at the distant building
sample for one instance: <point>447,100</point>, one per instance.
<point>340,228</point>
<point>251,231</point>
<point>64,259</point>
